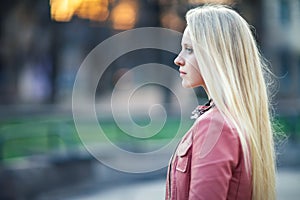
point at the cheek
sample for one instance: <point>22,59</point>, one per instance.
<point>195,73</point>
<point>194,78</point>
<point>197,77</point>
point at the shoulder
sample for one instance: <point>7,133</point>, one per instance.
<point>213,122</point>
<point>213,133</point>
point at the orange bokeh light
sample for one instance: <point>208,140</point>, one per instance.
<point>210,1</point>
<point>124,15</point>
<point>64,10</point>
<point>96,10</point>
<point>171,20</point>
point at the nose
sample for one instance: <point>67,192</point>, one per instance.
<point>179,61</point>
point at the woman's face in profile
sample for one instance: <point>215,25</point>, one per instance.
<point>188,66</point>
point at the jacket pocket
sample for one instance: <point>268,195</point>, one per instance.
<point>182,155</point>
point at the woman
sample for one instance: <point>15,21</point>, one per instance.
<point>228,153</point>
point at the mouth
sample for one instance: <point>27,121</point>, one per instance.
<point>182,72</point>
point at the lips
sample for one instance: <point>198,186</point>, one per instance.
<point>182,72</point>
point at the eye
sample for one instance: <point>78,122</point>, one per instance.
<point>189,50</point>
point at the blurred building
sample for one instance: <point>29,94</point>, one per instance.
<point>42,47</point>
<point>281,45</point>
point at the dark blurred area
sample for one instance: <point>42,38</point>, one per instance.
<point>44,42</point>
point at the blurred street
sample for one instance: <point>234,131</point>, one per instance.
<point>288,188</point>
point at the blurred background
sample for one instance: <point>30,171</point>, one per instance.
<point>42,45</point>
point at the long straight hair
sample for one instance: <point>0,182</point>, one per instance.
<point>233,71</point>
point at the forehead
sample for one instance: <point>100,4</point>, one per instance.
<point>186,37</point>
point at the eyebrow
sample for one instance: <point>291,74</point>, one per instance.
<point>186,44</point>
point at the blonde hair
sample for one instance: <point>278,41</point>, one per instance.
<point>233,72</point>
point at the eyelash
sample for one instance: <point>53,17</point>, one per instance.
<point>190,50</point>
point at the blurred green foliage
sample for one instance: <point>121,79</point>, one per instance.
<point>25,137</point>
<point>34,136</point>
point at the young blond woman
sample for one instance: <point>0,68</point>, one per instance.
<point>228,153</point>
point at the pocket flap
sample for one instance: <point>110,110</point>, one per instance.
<point>184,147</point>
<point>182,164</point>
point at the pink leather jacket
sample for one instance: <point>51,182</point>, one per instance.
<point>208,163</point>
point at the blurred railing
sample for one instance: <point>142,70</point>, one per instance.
<point>44,130</point>
<point>34,131</point>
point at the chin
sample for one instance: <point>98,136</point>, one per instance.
<point>185,85</point>
<point>188,85</point>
